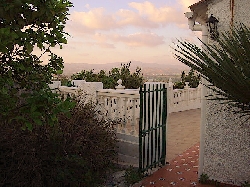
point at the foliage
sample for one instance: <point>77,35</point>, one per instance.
<point>246,184</point>
<point>132,175</point>
<point>191,77</point>
<point>76,152</point>
<point>226,65</point>
<point>129,80</point>
<point>203,179</point>
<point>65,80</point>
<point>25,26</point>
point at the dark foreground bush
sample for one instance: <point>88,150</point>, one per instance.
<point>76,152</point>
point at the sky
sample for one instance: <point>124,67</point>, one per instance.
<point>107,31</point>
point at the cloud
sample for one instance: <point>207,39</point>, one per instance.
<point>162,15</point>
<point>140,15</point>
<point>130,18</point>
<point>94,19</point>
<point>135,26</point>
<point>186,3</point>
<point>132,40</point>
<point>104,44</point>
<point>140,39</point>
<point>107,45</point>
<point>87,6</point>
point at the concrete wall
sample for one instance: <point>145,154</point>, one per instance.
<point>227,135</point>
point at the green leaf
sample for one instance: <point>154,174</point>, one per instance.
<point>29,48</point>
<point>63,40</point>
<point>33,108</point>
<point>225,64</point>
<point>58,72</point>
<point>29,126</point>
<point>22,71</point>
<point>38,121</point>
<point>36,114</point>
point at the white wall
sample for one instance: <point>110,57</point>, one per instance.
<point>227,135</point>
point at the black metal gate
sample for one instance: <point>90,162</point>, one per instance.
<point>152,126</point>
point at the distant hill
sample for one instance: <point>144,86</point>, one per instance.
<point>147,68</point>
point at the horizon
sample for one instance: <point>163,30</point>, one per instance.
<point>146,68</point>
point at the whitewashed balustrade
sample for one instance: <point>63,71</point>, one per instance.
<point>123,105</point>
<point>183,99</point>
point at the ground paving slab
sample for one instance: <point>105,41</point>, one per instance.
<point>180,172</point>
<point>183,137</point>
<point>183,131</point>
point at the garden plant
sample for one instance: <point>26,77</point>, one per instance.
<point>131,80</point>
<point>225,65</point>
<point>44,141</point>
<point>192,78</point>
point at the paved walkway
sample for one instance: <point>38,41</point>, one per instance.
<point>183,131</point>
<point>183,136</point>
<point>180,172</point>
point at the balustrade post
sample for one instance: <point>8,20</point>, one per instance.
<point>120,85</point>
<point>106,107</point>
<point>199,91</point>
<point>118,108</point>
<point>186,90</point>
<point>99,105</point>
<point>110,105</point>
<point>118,113</point>
<point>133,130</point>
<point>124,120</point>
<point>170,95</point>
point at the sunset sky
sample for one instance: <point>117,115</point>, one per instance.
<point>105,31</point>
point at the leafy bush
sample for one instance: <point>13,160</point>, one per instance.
<point>191,77</point>
<point>76,152</point>
<point>129,80</point>
<point>225,65</point>
<point>24,93</point>
<point>132,175</point>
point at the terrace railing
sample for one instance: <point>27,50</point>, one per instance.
<point>123,106</point>
<point>183,99</point>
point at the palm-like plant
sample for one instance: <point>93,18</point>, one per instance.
<point>225,65</point>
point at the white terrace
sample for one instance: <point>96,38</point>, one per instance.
<point>124,104</point>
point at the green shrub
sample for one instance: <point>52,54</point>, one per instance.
<point>224,65</point>
<point>245,184</point>
<point>203,179</point>
<point>24,93</point>
<point>109,79</point>
<point>78,151</point>
<point>191,78</point>
<point>132,175</point>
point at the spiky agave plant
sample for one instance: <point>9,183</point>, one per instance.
<point>225,65</point>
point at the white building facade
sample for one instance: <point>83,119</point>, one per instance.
<point>225,136</point>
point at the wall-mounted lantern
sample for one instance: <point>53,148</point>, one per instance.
<point>212,23</point>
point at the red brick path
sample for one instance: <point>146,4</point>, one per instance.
<point>180,172</point>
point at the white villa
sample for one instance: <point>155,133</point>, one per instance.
<point>225,142</point>
<point>224,136</point>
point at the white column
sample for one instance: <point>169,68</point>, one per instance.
<point>133,131</point>
<point>203,108</point>
<point>203,28</point>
